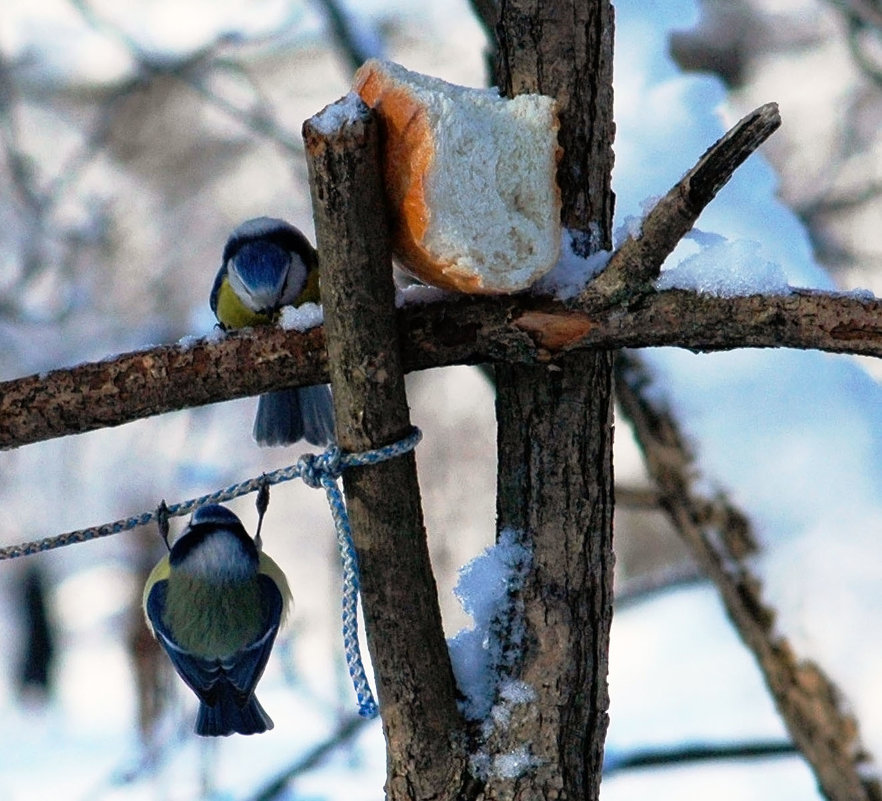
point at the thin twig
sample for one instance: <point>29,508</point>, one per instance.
<point>345,731</point>
<point>636,590</point>
<point>690,754</point>
<point>191,70</point>
<point>355,37</point>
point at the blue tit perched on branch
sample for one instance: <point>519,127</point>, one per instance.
<point>268,264</point>
<point>215,603</point>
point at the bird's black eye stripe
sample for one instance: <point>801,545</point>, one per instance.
<point>289,239</point>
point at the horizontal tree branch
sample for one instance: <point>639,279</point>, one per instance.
<point>463,330</point>
<point>456,330</point>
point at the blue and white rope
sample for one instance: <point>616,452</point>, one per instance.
<point>323,470</point>
<point>316,470</point>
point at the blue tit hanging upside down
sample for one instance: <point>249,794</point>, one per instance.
<point>268,264</point>
<point>215,603</point>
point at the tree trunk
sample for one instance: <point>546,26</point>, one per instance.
<point>555,430</point>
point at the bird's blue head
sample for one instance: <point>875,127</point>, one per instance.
<point>267,262</point>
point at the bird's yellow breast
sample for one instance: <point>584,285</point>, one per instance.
<point>232,313</point>
<point>310,293</point>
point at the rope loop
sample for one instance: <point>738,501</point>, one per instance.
<point>316,468</point>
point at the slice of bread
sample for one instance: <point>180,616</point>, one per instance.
<point>470,177</point>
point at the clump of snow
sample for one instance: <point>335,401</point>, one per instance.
<point>704,239</point>
<point>513,764</point>
<point>347,110</point>
<point>516,692</point>
<point>215,334</point>
<point>572,272</point>
<point>301,318</point>
<point>631,226</point>
<point>480,764</point>
<point>511,693</point>
<point>487,590</point>
<point>725,268</point>
<point>188,341</point>
<point>416,294</point>
<point>471,667</point>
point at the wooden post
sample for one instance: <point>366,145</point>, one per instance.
<point>411,662</point>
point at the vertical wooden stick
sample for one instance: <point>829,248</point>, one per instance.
<point>411,662</point>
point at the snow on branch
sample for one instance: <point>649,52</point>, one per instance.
<point>619,308</point>
<point>639,259</point>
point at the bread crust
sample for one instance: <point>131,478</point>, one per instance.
<point>409,157</point>
<point>409,154</point>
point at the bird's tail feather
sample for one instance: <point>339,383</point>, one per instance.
<point>317,413</point>
<point>227,717</point>
<point>289,415</point>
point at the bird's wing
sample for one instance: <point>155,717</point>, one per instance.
<point>215,289</point>
<point>244,668</point>
<point>159,573</point>
<point>269,568</point>
<point>200,675</point>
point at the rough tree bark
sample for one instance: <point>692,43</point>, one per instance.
<point>555,435</point>
<point>555,428</point>
<point>462,330</point>
<point>466,330</point>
